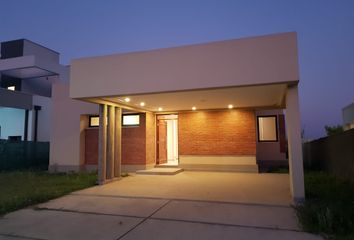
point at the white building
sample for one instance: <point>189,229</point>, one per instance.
<point>348,117</point>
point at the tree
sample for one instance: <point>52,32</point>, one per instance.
<point>331,130</point>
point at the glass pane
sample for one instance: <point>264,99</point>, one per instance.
<point>267,129</point>
<point>94,121</point>
<point>129,120</point>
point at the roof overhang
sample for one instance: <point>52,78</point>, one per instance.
<point>255,97</point>
<point>27,67</point>
<point>247,73</point>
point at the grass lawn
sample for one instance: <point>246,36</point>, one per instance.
<point>25,188</point>
<point>329,207</point>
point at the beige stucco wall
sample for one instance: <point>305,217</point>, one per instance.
<point>150,138</point>
<point>67,128</point>
<point>248,61</point>
<point>293,127</point>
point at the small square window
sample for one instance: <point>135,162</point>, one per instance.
<point>94,121</point>
<point>267,129</point>
<point>131,120</point>
<point>12,88</point>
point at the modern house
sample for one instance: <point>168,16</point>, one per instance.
<point>27,72</point>
<point>221,106</point>
<point>348,117</point>
<point>225,106</point>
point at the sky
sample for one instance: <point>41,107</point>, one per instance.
<point>92,27</point>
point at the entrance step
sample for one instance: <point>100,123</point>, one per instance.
<point>166,166</point>
<point>249,168</point>
<point>160,171</point>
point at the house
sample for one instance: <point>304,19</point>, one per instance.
<point>348,117</point>
<point>213,106</point>
<point>27,72</point>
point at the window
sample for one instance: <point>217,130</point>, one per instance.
<point>94,121</point>
<point>12,88</point>
<point>267,129</point>
<point>131,120</point>
<point>128,120</point>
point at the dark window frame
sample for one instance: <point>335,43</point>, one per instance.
<point>130,125</point>
<point>93,116</point>
<point>133,125</point>
<point>276,128</point>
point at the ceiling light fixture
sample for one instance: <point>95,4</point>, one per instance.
<point>160,109</point>
<point>230,106</point>
<point>127,99</point>
<point>194,108</point>
<point>142,104</point>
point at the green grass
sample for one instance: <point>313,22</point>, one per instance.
<point>24,188</point>
<point>329,207</point>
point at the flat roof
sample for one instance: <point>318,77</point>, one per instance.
<point>261,60</point>
<point>25,39</point>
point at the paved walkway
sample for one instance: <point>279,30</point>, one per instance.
<point>97,213</point>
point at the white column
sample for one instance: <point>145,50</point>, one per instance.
<point>110,142</point>
<point>102,144</point>
<point>293,126</point>
<point>118,143</point>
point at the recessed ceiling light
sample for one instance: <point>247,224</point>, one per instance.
<point>127,99</point>
<point>160,109</point>
<point>230,106</point>
<point>194,108</point>
<point>142,104</point>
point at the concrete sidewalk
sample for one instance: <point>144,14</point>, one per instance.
<point>189,205</point>
<point>93,217</point>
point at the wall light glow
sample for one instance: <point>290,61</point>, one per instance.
<point>127,99</point>
<point>230,106</point>
<point>142,104</point>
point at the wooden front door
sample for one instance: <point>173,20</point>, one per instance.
<point>161,141</point>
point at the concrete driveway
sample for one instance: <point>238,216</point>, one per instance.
<point>190,205</point>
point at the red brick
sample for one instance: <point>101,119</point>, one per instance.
<point>134,143</point>
<point>229,132</point>
<point>91,146</point>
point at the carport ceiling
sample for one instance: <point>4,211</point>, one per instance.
<point>260,96</point>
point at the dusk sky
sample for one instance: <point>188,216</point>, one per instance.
<point>89,28</point>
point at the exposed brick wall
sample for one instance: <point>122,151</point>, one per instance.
<point>228,132</point>
<point>134,143</point>
<point>150,138</point>
<point>91,146</point>
<point>134,146</point>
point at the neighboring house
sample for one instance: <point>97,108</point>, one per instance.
<point>212,106</point>
<point>31,78</point>
<point>27,72</point>
<point>348,117</point>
